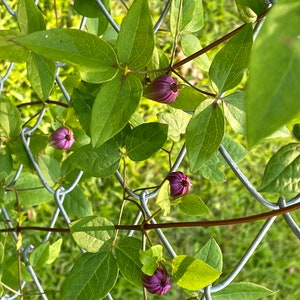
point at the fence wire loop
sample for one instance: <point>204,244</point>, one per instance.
<point>142,195</point>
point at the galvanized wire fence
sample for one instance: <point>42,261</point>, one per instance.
<point>143,196</point>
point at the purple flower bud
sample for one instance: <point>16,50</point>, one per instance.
<point>163,89</point>
<point>62,138</point>
<point>180,183</point>
<point>159,283</point>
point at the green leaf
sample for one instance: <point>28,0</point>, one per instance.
<point>177,121</point>
<point>188,99</point>
<point>1,252</point>
<point>135,41</point>
<point>235,111</point>
<point>9,50</point>
<point>95,58</point>
<point>92,276</point>
<point>89,8</point>
<point>16,147</point>
<point>249,9</point>
<point>212,169</point>
<point>211,254</point>
<point>54,251</point>
<point>145,140</point>
<point>128,259</point>
<point>30,191</point>
<point>41,74</point>
<point>113,107</point>
<point>10,119</point>
<point>150,258</point>
<point>40,255</point>
<point>30,18</point>
<point>90,233</point>
<point>77,204</point>
<point>192,273</point>
<point>228,66</point>
<point>282,171</point>
<point>243,291</point>
<point>11,270</point>
<point>296,131</point>
<point>204,133</point>
<point>187,20</point>
<point>192,204</point>
<point>6,163</point>
<point>83,103</point>
<point>50,168</point>
<point>273,76</point>
<point>191,44</point>
<point>96,26</point>
<point>97,162</point>
<point>163,198</point>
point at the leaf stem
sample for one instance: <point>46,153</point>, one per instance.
<point>215,43</point>
<point>146,226</point>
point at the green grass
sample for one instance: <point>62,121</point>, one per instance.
<point>275,263</point>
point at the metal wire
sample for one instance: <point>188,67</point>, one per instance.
<point>143,196</point>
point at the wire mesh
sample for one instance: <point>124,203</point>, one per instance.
<point>143,195</point>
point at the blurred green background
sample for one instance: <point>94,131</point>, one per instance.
<point>275,263</point>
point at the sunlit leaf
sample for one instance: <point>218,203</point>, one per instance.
<point>191,44</point>
<point>184,16</point>
<point>50,168</point>
<point>10,118</point>
<point>192,204</point>
<point>228,66</point>
<point>282,171</point>
<point>192,273</point>
<point>177,121</point>
<point>91,232</point>
<point>40,255</point>
<point>249,10</point>
<point>163,198</point>
<point>243,291</point>
<point>30,18</point>
<point>235,111</point>
<point>9,50</point>
<point>54,251</point>
<point>150,258</point>
<point>273,77</point>
<point>188,99</point>
<point>135,41</point>
<point>211,254</point>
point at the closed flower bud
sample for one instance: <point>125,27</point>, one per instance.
<point>180,183</point>
<point>62,138</point>
<point>159,283</point>
<point>163,89</point>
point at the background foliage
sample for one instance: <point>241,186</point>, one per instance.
<point>274,264</point>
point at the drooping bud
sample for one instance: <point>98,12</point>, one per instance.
<point>163,89</point>
<point>62,138</point>
<point>159,283</point>
<point>180,183</point>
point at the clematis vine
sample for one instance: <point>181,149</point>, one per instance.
<point>62,138</point>
<point>180,183</point>
<point>163,89</point>
<point>159,283</point>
